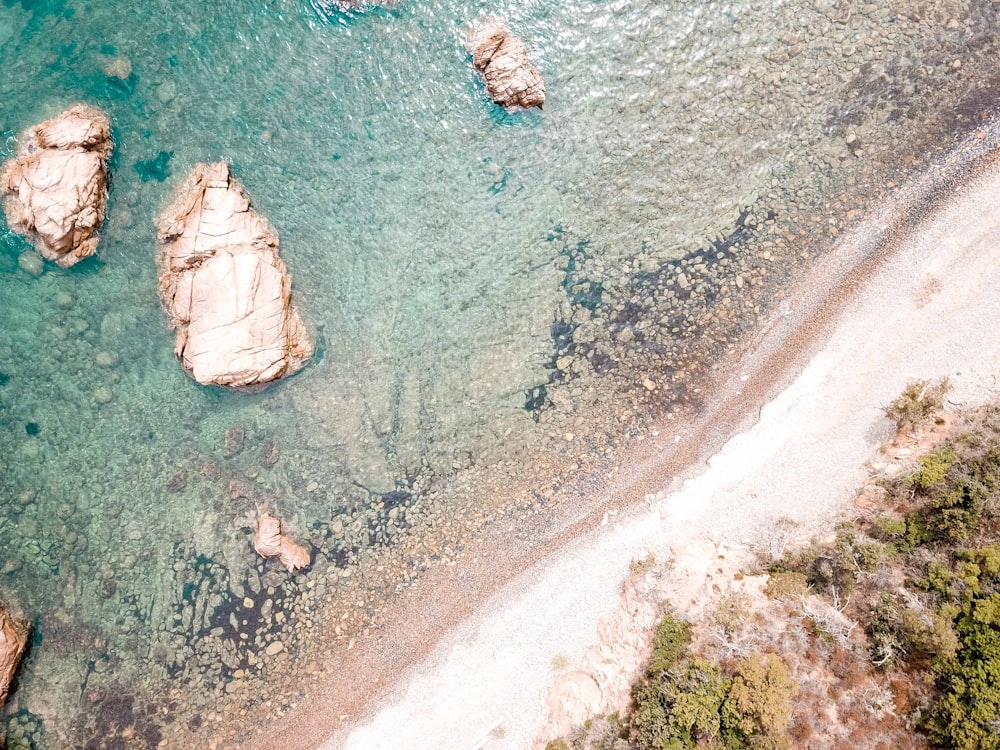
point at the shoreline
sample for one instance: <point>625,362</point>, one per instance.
<point>771,359</point>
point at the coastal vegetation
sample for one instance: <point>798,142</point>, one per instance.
<point>886,634</point>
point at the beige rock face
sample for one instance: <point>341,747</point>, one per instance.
<point>502,58</point>
<point>13,637</point>
<point>55,191</point>
<point>224,288</point>
<point>269,541</point>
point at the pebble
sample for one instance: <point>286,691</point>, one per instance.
<point>275,647</point>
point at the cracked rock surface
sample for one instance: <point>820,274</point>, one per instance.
<point>226,292</point>
<point>271,541</point>
<point>13,638</point>
<point>55,191</point>
<point>502,58</point>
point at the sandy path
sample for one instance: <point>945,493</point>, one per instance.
<point>883,307</point>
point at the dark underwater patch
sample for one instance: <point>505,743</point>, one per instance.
<point>157,168</point>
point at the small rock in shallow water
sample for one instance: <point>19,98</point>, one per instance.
<point>502,58</point>
<point>11,566</point>
<point>102,395</point>
<point>31,263</point>
<point>177,482</point>
<point>166,91</point>
<point>106,359</point>
<point>117,67</point>
<point>270,541</point>
<point>232,443</point>
<point>269,454</point>
<point>65,300</point>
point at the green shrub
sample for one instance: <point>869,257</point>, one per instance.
<point>933,468</point>
<point>670,643</point>
<point>965,717</point>
<point>929,635</point>
<point>787,586</point>
<point>757,709</point>
<point>884,630</point>
<point>890,528</point>
<point>918,402</point>
<point>680,708</point>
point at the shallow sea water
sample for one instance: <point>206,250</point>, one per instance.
<point>417,221</point>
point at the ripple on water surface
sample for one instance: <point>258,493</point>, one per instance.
<point>446,252</point>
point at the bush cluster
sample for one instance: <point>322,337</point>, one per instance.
<point>919,401</point>
<point>688,702</point>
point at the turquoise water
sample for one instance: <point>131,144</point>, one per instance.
<point>418,222</point>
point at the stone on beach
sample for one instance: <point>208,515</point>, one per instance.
<point>270,541</point>
<point>502,58</point>
<point>55,191</point>
<point>224,288</point>
<point>13,638</point>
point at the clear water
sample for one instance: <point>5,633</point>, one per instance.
<point>417,220</point>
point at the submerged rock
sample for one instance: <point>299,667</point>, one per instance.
<point>13,638</point>
<point>55,191</point>
<point>224,288</point>
<point>502,58</point>
<point>269,541</point>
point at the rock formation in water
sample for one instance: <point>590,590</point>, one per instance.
<point>270,541</point>
<point>55,191</point>
<point>502,58</point>
<point>224,288</point>
<point>13,638</point>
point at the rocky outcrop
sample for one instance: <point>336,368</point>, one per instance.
<point>13,638</point>
<point>55,191</point>
<point>502,58</point>
<point>224,288</point>
<point>270,541</point>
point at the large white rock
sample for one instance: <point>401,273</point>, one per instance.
<point>502,58</point>
<point>224,288</point>
<point>55,191</point>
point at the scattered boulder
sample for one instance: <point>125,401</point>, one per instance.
<point>55,191</point>
<point>269,453</point>
<point>224,288</point>
<point>13,638</point>
<point>269,541</point>
<point>117,67</point>
<point>502,58</point>
<point>232,443</point>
